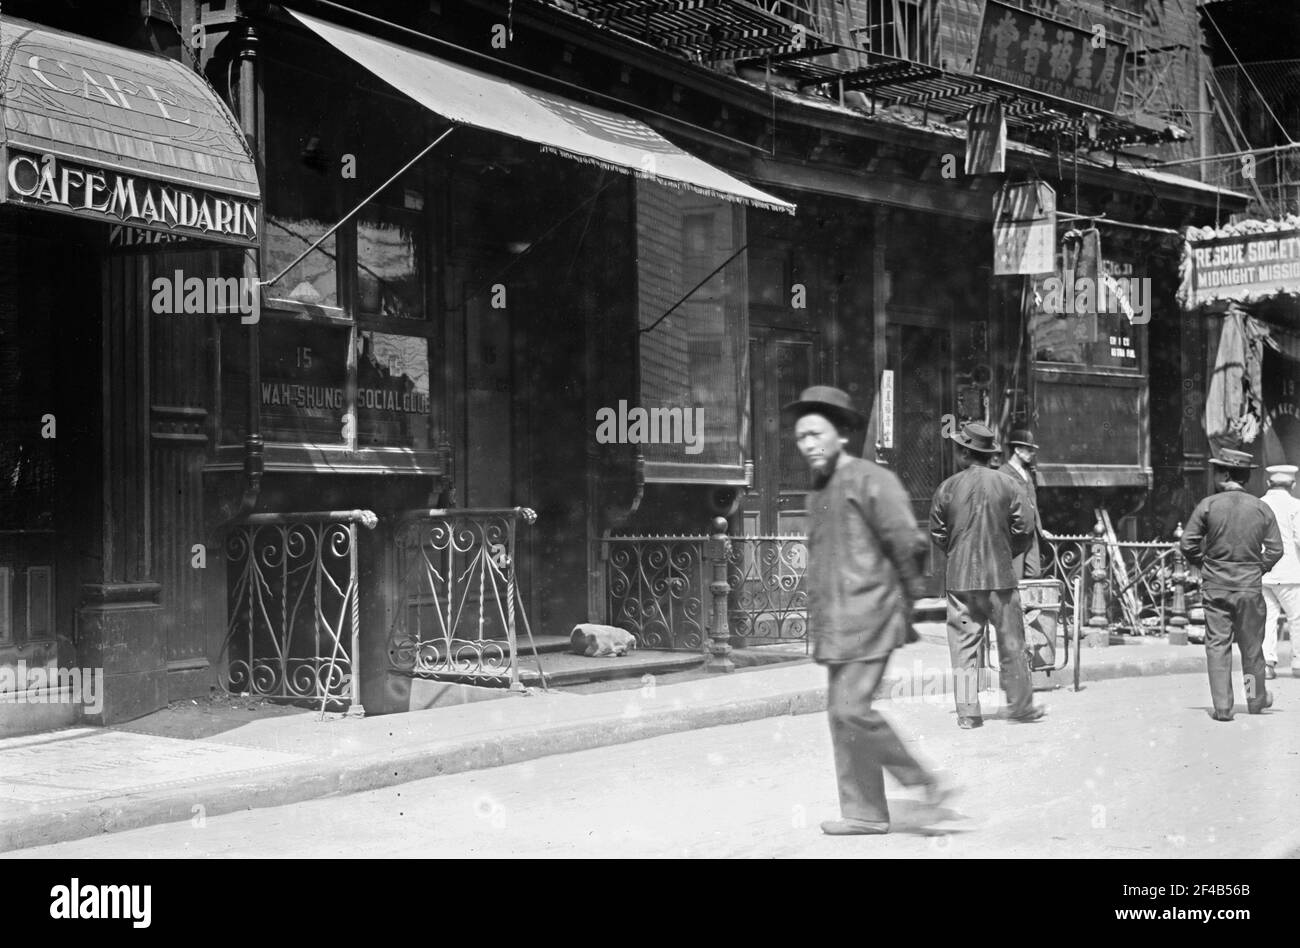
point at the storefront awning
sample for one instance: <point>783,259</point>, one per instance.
<point>129,138</point>
<point>561,126</point>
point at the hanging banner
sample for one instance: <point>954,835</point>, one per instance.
<point>887,408</point>
<point>1024,229</point>
<point>1281,396</point>
<point>986,139</point>
<point>1047,56</point>
<point>1241,268</point>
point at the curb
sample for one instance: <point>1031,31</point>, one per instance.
<point>325,777</point>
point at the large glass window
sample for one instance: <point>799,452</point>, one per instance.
<point>345,339</point>
<point>691,355</point>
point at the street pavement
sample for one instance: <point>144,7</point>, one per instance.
<point>1129,767</point>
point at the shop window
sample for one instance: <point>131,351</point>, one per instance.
<point>691,358</point>
<point>1100,341</point>
<point>345,338</point>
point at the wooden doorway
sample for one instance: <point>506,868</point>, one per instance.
<point>919,344</point>
<point>782,363</point>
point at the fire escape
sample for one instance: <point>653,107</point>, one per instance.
<point>921,54</point>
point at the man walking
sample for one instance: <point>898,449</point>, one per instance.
<point>1020,467</point>
<point>979,519</point>
<point>863,576</point>
<point>1282,582</point>
<point>1233,537</point>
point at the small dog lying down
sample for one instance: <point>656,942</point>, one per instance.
<point>601,641</point>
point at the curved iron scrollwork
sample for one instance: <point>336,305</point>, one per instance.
<point>293,616</point>
<point>456,606</point>
<point>655,589</point>
<point>769,593</point>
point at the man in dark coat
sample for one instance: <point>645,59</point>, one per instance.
<point>1233,537</point>
<point>979,519</point>
<point>863,577</point>
<point>1020,468</point>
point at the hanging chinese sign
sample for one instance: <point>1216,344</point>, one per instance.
<point>1047,56</point>
<point>1024,229</point>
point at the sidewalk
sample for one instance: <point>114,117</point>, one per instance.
<point>188,763</point>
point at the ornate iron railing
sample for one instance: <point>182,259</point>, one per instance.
<point>656,588</point>
<point>1137,579</point>
<point>458,596</point>
<point>294,621</point>
<point>769,595</point>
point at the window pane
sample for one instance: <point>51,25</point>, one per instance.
<point>305,144</point>
<point>690,361</point>
<point>390,248</point>
<point>393,394</point>
<point>302,387</point>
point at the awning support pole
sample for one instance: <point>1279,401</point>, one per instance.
<point>352,213</point>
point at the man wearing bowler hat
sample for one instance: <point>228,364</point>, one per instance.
<point>1020,467</point>
<point>863,576</point>
<point>1233,537</point>
<point>1282,582</point>
<point>979,519</point>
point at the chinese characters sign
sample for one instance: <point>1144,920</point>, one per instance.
<point>1051,57</point>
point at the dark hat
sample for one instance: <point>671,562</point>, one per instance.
<point>826,400</point>
<point>1237,460</point>
<point>976,437</point>
<point>1022,436</point>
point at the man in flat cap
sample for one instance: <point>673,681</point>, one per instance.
<point>1282,582</point>
<point>864,552</point>
<point>979,519</point>
<point>1232,536</point>
<point>1020,467</point>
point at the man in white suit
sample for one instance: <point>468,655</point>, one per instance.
<point>1282,582</point>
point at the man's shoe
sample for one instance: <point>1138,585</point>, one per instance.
<point>1269,673</point>
<point>1221,715</point>
<point>1266,703</point>
<point>854,828</point>
<point>939,791</point>
<point>1028,717</point>
<point>969,723</point>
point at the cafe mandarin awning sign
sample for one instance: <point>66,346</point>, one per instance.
<point>128,138</point>
<point>560,126</point>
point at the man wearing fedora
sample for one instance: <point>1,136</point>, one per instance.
<point>1020,467</point>
<point>863,575</point>
<point>1233,537</point>
<point>979,518</point>
<point>1282,582</point>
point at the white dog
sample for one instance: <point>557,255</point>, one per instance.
<point>601,641</point>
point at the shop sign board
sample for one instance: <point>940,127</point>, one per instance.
<point>1049,57</point>
<point>121,198</point>
<point>1243,268</point>
<point>1024,229</point>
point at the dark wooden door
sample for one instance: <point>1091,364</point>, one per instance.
<point>920,357</point>
<point>782,363</point>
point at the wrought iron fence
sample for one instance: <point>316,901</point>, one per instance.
<point>769,594</point>
<point>656,587</point>
<point>458,596</point>
<point>293,618</point>
<point>1138,589</point>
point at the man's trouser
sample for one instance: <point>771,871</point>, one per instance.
<point>969,615</point>
<point>865,744</point>
<point>1281,599</point>
<point>1234,615</point>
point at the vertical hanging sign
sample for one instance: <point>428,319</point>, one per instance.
<point>887,408</point>
<point>1024,229</point>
